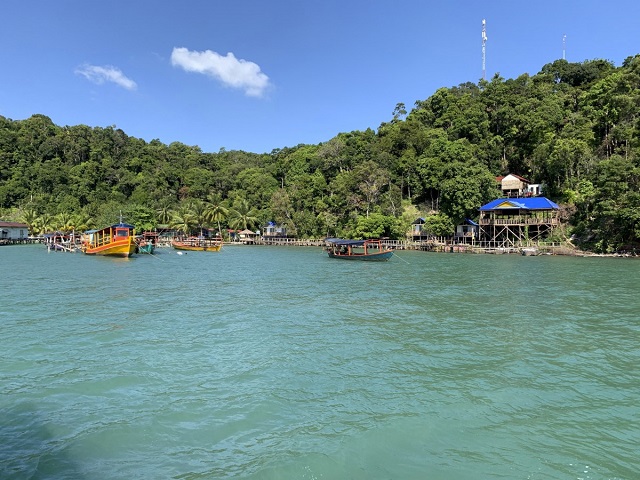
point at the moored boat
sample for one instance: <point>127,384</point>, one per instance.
<point>146,243</point>
<point>116,240</point>
<point>365,250</point>
<point>198,244</point>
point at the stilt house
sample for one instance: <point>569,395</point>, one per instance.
<point>272,230</point>
<point>13,230</point>
<point>515,222</point>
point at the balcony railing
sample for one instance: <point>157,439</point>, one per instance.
<point>519,221</point>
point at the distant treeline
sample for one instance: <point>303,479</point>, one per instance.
<point>573,127</point>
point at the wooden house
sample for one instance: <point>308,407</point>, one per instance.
<point>271,230</point>
<point>248,237</point>
<point>515,222</point>
<point>418,232</point>
<point>534,190</point>
<point>513,185</point>
<point>13,231</point>
<point>466,232</point>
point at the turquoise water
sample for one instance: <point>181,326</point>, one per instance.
<point>280,363</point>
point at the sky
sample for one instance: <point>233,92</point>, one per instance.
<point>260,75</point>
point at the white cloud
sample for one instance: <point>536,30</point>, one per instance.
<point>99,75</point>
<point>228,70</point>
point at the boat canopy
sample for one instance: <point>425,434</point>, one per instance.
<point>342,241</point>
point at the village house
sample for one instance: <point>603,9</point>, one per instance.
<point>516,222</point>
<point>418,232</point>
<point>248,237</point>
<point>13,231</point>
<point>466,232</point>
<point>515,186</point>
<point>271,230</point>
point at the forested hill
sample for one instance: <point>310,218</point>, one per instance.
<point>574,127</point>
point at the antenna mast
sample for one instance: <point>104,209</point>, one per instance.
<point>564,47</point>
<point>484,49</point>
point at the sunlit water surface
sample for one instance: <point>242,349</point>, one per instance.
<point>280,363</point>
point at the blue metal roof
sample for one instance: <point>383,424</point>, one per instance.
<point>530,203</point>
<point>344,241</point>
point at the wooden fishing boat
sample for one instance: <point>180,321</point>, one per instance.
<point>116,240</point>
<point>365,250</point>
<point>147,242</point>
<point>198,244</point>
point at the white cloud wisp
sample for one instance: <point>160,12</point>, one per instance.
<point>235,73</point>
<point>100,75</point>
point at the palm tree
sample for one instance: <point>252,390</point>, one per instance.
<point>242,215</point>
<point>216,211</point>
<point>163,211</point>
<point>30,217</point>
<point>64,222</point>
<point>82,221</point>
<point>44,223</point>
<point>182,220</point>
<point>199,212</point>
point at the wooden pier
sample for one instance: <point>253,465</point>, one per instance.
<point>439,244</point>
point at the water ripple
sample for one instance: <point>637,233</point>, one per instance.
<point>281,363</point>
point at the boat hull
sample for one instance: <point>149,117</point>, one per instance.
<point>116,249</point>
<point>360,250</point>
<point>197,245</point>
<point>149,248</point>
<point>370,257</point>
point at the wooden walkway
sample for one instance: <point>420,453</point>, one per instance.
<point>442,245</point>
<point>436,245</point>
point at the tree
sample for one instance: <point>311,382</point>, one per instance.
<point>199,212</point>
<point>44,223</point>
<point>30,217</point>
<point>242,216</point>
<point>64,222</point>
<point>164,212</point>
<point>376,225</point>
<point>216,211</point>
<point>182,219</point>
<point>439,225</point>
<point>370,179</point>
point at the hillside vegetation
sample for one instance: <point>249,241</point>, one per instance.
<point>574,127</point>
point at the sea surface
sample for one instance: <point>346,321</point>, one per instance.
<point>280,363</point>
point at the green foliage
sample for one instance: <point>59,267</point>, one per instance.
<point>243,216</point>
<point>573,127</point>
<point>376,225</point>
<point>439,225</point>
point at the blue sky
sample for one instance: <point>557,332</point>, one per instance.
<point>258,75</point>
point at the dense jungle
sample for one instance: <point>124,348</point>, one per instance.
<point>573,127</point>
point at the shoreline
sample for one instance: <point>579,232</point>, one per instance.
<point>541,250</point>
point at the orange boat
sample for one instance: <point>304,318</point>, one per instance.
<point>116,240</point>
<point>198,244</point>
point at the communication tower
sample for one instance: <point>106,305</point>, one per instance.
<point>564,47</point>
<point>484,49</point>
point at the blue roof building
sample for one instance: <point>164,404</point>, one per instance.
<point>517,222</point>
<point>529,203</point>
